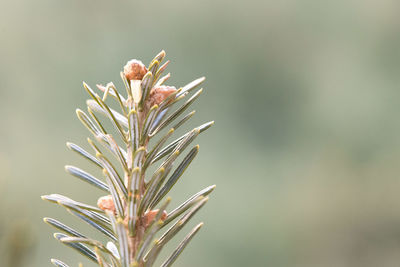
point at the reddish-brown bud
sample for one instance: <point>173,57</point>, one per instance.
<point>134,70</point>
<point>151,215</point>
<point>106,203</point>
<point>159,94</point>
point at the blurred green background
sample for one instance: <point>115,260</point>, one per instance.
<point>305,151</point>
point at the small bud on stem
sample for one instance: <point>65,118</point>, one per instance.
<point>159,94</point>
<point>106,203</point>
<point>135,70</point>
<point>151,215</point>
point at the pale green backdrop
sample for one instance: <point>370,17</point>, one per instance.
<point>305,151</point>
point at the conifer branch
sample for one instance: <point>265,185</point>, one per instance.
<point>128,215</point>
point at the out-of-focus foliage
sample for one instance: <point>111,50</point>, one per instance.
<point>305,95</point>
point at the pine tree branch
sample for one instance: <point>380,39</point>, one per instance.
<point>128,216</point>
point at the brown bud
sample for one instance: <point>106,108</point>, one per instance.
<point>134,70</point>
<point>106,203</point>
<point>151,215</point>
<point>159,94</point>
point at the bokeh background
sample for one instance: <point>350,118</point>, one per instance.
<point>305,151</point>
